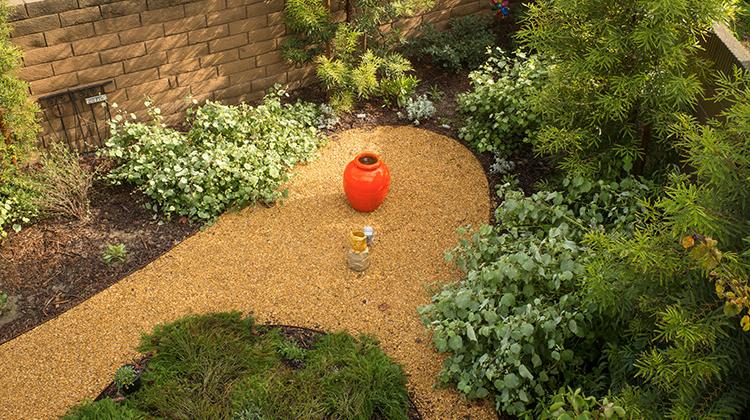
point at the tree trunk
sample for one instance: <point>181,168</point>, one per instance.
<point>640,164</point>
<point>4,130</point>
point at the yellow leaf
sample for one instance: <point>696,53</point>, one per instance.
<point>719,289</point>
<point>688,242</point>
<point>745,322</point>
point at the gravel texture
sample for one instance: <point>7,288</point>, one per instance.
<point>286,264</point>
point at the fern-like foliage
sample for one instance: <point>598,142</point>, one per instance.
<point>673,298</point>
<point>354,57</point>
<point>624,70</point>
<point>308,17</point>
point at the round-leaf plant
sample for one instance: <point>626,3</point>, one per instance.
<point>512,324</point>
<point>231,156</point>
<point>498,109</point>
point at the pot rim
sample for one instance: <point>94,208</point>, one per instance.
<point>368,167</point>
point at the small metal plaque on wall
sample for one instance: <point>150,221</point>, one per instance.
<point>96,99</point>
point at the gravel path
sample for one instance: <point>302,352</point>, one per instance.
<point>286,264</point>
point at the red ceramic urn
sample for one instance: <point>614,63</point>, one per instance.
<point>366,182</point>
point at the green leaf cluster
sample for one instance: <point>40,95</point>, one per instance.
<point>18,130</point>
<point>671,300</point>
<point>231,156</point>
<point>354,58</point>
<point>220,366</point>
<point>514,326</point>
<point>498,112</point>
<point>115,253</point>
<point>348,80</point>
<point>568,404</point>
<point>17,200</point>
<point>462,46</point>
<point>125,377</point>
<point>623,72</point>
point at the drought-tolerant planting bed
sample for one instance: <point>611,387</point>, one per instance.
<point>224,366</point>
<point>611,282</point>
<point>288,263</point>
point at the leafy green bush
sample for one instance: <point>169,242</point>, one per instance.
<point>349,78</point>
<point>17,201</point>
<point>125,377</point>
<point>672,300</point>
<point>418,109</point>
<point>355,58</point>
<point>498,113</point>
<point>115,253</point>
<point>219,366</point>
<point>231,156</point>
<point>342,378</point>
<point>18,124</point>
<point>513,324</point>
<point>567,404</point>
<point>623,72</point>
<point>463,45</point>
<point>18,129</point>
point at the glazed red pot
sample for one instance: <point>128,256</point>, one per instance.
<point>366,182</point>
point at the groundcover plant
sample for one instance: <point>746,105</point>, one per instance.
<point>224,366</point>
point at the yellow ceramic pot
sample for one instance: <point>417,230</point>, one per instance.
<point>358,241</point>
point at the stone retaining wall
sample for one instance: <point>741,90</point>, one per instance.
<point>224,50</point>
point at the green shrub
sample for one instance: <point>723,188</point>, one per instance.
<point>567,404</point>
<point>17,201</point>
<point>418,109</point>
<point>231,156</point>
<point>218,366</point>
<point>342,378</point>
<point>741,24</point>
<point>291,351</point>
<point>18,129</point>
<point>623,72</point>
<point>349,77</point>
<point>513,324</point>
<point>463,45</point>
<point>497,111</point>
<point>355,58</point>
<point>672,300</point>
<point>18,124</point>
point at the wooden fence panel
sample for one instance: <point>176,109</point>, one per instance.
<point>726,52</point>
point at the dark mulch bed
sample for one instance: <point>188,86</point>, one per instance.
<point>53,265</point>
<point>304,338</point>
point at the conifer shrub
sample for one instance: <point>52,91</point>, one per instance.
<point>355,59</point>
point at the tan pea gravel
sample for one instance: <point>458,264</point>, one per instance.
<point>288,265</point>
